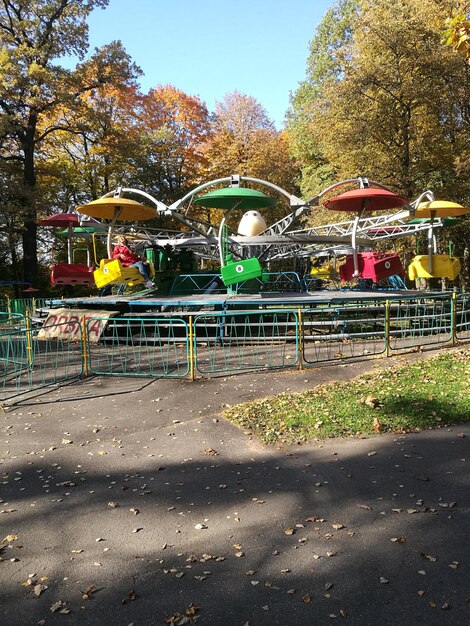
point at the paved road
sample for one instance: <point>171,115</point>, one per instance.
<point>134,501</point>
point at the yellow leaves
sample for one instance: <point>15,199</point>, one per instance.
<point>10,538</point>
<point>457,35</point>
<point>190,616</point>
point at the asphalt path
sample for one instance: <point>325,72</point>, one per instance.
<point>129,501</point>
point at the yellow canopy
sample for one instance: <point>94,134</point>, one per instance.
<point>118,208</point>
<point>440,208</point>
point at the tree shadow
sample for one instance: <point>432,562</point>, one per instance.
<point>345,529</point>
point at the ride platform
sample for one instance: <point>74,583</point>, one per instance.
<point>148,302</point>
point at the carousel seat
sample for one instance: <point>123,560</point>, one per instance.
<point>71,274</point>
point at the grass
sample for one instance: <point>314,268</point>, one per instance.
<point>430,393</point>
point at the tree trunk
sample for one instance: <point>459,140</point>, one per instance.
<point>30,256</point>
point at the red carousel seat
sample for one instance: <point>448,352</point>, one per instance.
<point>72,274</point>
<point>374,265</point>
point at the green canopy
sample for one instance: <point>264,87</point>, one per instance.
<point>82,231</point>
<point>235,198</point>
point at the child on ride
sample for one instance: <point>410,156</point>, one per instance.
<point>129,258</point>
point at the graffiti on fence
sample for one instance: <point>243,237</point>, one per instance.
<point>65,324</point>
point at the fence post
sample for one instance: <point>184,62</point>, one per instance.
<point>453,318</point>
<point>387,328</point>
<point>84,346</point>
<point>301,340</point>
<point>191,348</point>
<point>29,339</point>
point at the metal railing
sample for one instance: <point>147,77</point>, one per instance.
<point>343,331</point>
<point>132,346</point>
<point>420,322</point>
<point>229,341</point>
<point>238,341</point>
<point>28,362</point>
<point>461,316</point>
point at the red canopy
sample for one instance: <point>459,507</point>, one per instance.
<point>368,199</point>
<point>59,220</point>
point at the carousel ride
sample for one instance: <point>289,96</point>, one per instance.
<point>242,242</point>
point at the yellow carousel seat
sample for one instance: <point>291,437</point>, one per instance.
<point>443,266</point>
<point>325,272</point>
<point>112,272</point>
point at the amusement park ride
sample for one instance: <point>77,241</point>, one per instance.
<point>245,251</point>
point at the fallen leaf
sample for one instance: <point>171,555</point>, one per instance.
<point>372,402</point>
<point>56,606</point>
<point>376,425</point>
<point>306,598</point>
<point>10,538</point>
<point>38,589</point>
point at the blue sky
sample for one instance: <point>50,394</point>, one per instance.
<point>210,48</point>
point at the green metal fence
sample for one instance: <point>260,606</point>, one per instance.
<point>8,321</point>
<point>28,362</point>
<point>20,306</point>
<point>230,341</point>
<point>150,346</point>
<point>462,316</point>
<point>240,341</point>
<point>420,322</point>
<point>346,330</point>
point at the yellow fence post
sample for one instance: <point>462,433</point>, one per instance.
<point>301,340</point>
<point>453,318</point>
<point>29,339</point>
<point>191,348</point>
<point>84,347</point>
<point>387,328</point>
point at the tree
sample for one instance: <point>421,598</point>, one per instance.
<point>244,141</point>
<point>397,106</point>
<point>34,35</point>
<point>326,63</point>
<point>172,128</point>
<point>95,153</point>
